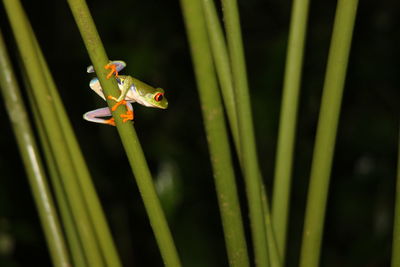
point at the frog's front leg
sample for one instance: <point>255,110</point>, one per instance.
<point>126,85</point>
<point>115,66</point>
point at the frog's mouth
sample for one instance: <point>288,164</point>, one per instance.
<point>164,106</point>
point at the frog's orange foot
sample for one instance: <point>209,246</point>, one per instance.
<point>113,69</point>
<point>122,102</point>
<point>128,116</point>
<point>110,122</point>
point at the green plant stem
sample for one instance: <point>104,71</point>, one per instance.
<point>216,133</point>
<point>287,124</point>
<point>33,165</point>
<point>223,68</point>
<point>68,223</point>
<point>274,257</point>
<point>326,132</point>
<point>127,133</point>
<point>69,226</point>
<point>56,138</point>
<point>246,132</point>
<point>396,224</point>
<point>222,65</point>
<point>96,214</point>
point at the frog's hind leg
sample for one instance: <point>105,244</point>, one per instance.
<point>97,114</point>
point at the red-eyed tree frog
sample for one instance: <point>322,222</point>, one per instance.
<point>132,90</point>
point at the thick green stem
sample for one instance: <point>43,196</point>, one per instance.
<point>33,165</point>
<point>287,124</point>
<point>127,133</point>
<point>216,133</point>
<point>250,164</point>
<point>326,132</point>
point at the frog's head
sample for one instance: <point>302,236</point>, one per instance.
<point>157,99</point>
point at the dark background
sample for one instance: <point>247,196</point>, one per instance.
<point>150,37</point>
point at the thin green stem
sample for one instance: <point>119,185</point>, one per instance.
<point>250,164</point>
<point>56,139</point>
<point>216,133</point>
<point>31,158</point>
<point>274,257</point>
<point>222,66</point>
<point>127,133</point>
<point>396,226</point>
<point>326,132</point>
<point>287,124</point>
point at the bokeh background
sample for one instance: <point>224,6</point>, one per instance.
<point>150,36</point>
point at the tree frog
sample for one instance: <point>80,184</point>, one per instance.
<point>132,90</point>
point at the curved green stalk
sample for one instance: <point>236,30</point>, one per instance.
<point>52,127</point>
<point>32,162</point>
<point>216,133</point>
<point>326,132</point>
<point>396,225</point>
<point>127,133</point>
<point>287,124</point>
<point>250,164</point>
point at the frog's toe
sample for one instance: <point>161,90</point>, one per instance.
<point>128,116</point>
<point>110,121</point>
<point>113,70</point>
<point>122,102</point>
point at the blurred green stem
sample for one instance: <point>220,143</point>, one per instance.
<point>216,132</point>
<point>33,165</point>
<point>250,164</point>
<point>55,135</point>
<point>287,124</point>
<point>326,132</point>
<point>68,224</point>
<point>127,133</point>
<point>96,214</point>
<point>396,225</point>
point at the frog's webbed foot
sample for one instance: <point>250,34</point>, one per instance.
<point>113,70</point>
<point>129,113</point>
<point>128,116</point>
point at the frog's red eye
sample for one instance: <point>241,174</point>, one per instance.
<point>158,97</point>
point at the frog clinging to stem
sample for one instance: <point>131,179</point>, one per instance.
<point>132,90</point>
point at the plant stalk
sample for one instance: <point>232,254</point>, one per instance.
<point>287,124</point>
<point>326,132</point>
